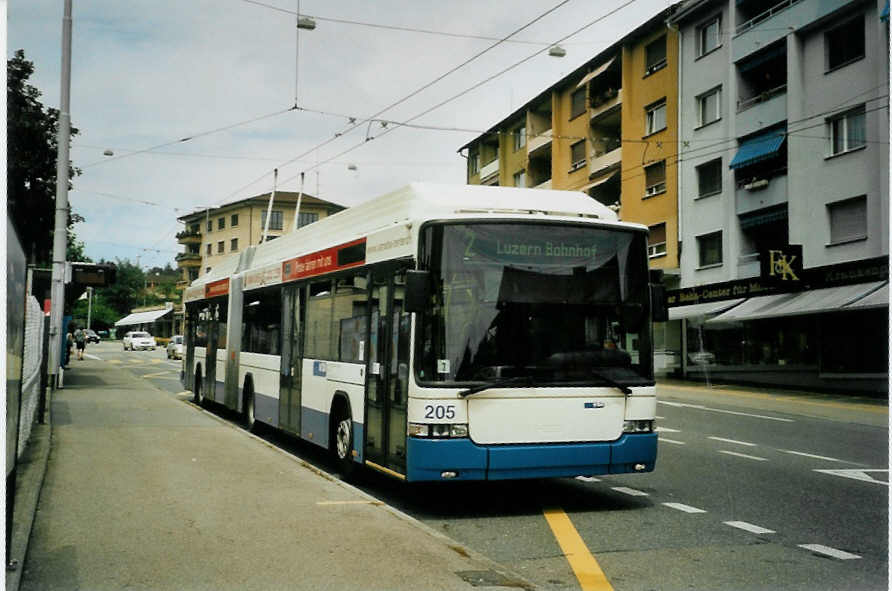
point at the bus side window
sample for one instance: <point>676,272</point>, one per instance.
<point>319,321</point>
<point>349,319</point>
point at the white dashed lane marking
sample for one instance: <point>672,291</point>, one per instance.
<point>685,508</point>
<point>630,491</point>
<point>828,551</point>
<point>666,430</point>
<point>588,479</point>
<point>755,529</point>
<point>739,455</point>
<point>730,412</point>
<point>664,440</point>
<point>861,475</point>
<point>813,456</point>
<point>734,441</point>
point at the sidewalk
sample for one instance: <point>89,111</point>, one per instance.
<point>145,491</point>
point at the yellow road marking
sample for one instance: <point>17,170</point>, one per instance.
<point>780,398</point>
<point>114,361</point>
<point>584,565</point>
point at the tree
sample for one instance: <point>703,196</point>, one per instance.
<point>31,167</point>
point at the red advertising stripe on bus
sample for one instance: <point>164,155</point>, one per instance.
<point>216,288</point>
<point>325,261</point>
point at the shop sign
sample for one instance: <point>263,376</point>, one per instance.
<point>782,266</point>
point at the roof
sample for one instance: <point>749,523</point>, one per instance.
<point>143,317</point>
<point>410,205</point>
<point>283,196</point>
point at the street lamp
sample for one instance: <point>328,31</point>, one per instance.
<point>89,305</point>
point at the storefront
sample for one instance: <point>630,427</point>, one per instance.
<point>826,330</point>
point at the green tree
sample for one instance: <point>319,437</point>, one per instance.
<point>31,166</point>
<point>127,291</point>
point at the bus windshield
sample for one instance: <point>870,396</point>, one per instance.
<point>556,303</point>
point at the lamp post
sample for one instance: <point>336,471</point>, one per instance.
<point>89,305</point>
<point>60,234</point>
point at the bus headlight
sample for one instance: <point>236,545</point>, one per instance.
<point>438,430</point>
<point>638,426</point>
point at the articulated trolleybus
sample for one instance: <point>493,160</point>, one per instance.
<point>441,332</point>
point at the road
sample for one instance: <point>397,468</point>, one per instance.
<point>752,491</point>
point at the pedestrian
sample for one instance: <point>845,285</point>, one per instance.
<point>80,339</point>
<point>69,343</point>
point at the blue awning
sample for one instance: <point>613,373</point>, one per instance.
<point>884,16</point>
<point>758,148</point>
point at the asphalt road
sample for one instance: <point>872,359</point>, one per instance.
<point>753,490</point>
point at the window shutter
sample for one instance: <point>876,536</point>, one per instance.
<point>848,220</point>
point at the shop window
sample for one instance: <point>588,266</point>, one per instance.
<point>845,43</point>
<point>709,178</point>
<point>848,220</point>
<point>709,247</point>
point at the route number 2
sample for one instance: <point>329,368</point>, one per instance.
<point>439,411</point>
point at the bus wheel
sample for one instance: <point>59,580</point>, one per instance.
<point>248,407</point>
<point>197,396</point>
<point>342,443</point>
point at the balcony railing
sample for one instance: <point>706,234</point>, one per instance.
<point>189,259</point>
<point>187,236</point>
<point>489,169</point>
<point>761,97</point>
<point>764,16</point>
<point>539,140</point>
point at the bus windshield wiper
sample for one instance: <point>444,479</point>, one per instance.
<point>611,382</point>
<point>525,380</point>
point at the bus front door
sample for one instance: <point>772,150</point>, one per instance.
<point>387,372</point>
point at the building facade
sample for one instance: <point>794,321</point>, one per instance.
<point>213,234</point>
<point>783,168</point>
<point>607,129</point>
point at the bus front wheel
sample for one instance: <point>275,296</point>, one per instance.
<point>342,443</point>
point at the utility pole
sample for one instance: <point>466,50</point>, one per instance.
<point>60,235</point>
<point>89,305</point>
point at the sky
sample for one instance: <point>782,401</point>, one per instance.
<point>195,98</point>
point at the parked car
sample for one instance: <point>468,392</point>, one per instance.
<point>175,347</point>
<point>103,334</point>
<point>92,337</point>
<point>134,340</point>
<point>701,358</point>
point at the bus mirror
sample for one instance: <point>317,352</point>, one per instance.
<point>658,305</point>
<point>417,290</point>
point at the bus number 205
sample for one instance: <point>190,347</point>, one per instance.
<point>439,411</point>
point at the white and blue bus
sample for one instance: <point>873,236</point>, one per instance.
<point>441,332</point>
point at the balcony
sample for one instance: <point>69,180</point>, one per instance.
<point>189,237</point>
<point>762,111</point>
<point>603,161</point>
<point>606,101</point>
<point>539,141</point>
<point>188,259</point>
<point>748,266</point>
<point>489,169</point>
<point>754,194</point>
<point>778,21</point>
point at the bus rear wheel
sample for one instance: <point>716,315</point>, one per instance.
<point>248,408</point>
<point>197,396</point>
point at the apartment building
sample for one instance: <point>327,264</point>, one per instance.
<point>783,192</point>
<point>607,129</point>
<point>213,234</point>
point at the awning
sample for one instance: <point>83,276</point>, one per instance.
<point>814,301</point>
<point>884,16</point>
<point>875,299</point>
<point>763,217</point>
<point>142,317</point>
<point>597,183</point>
<point>596,72</point>
<point>694,310</point>
<point>758,148</point>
